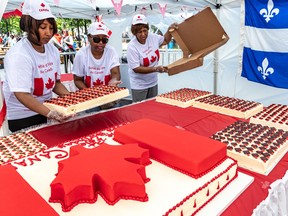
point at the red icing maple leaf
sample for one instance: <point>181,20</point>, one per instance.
<point>114,172</point>
<point>49,84</point>
<point>97,82</point>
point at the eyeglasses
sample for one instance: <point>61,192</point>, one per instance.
<point>98,39</point>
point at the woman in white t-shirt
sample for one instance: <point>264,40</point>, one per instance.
<point>32,69</point>
<point>98,62</point>
<point>143,56</point>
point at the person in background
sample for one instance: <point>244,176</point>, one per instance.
<point>13,40</point>
<point>5,39</point>
<point>143,57</point>
<point>57,41</point>
<point>32,69</point>
<point>68,45</point>
<point>97,63</point>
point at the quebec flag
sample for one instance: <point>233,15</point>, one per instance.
<point>265,52</point>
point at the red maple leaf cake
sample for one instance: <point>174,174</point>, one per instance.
<point>89,171</point>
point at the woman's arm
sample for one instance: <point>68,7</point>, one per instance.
<point>60,89</point>
<point>146,70</point>
<point>31,103</point>
<point>79,82</point>
<point>115,77</point>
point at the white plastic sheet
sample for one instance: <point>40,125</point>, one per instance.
<point>276,203</point>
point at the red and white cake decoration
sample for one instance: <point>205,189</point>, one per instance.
<point>275,115</point>
<point>184,97</point>
<point>86,99</point>
<point>187,198</point>
<point>255,147</point>
<point>229,106</point>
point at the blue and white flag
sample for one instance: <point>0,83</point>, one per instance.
<point>265,52</point>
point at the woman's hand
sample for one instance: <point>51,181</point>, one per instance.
<point>172,27</point>
<point>58,116</point>
<point>160,69</point>
<point>114,82</point>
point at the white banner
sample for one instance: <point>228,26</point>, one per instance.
<point>3,4</point>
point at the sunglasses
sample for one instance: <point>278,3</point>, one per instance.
<point>98,39</point>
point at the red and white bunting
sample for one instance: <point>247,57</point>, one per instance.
<point>57,2</point>
<point>143,11</point>
<point>185,11</point>
<point>117,5</point>
<point>162,8</point>
<point>98,18</point>
<point>93,3</point>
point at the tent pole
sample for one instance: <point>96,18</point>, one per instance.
<point>216,54</point>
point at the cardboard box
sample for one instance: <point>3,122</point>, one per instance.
<point>197,36</point>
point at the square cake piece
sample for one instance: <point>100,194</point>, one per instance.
<point>190,153</point>
<point>229,106</point>
<point>183,97</point>
<point>17,146</point>
<point>255,147</point>
<point>275,115</point>
<point>86,99</point>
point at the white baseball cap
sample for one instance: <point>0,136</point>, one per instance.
<point>38,9</point>
<point>139,19</point>
<point>98,28</point>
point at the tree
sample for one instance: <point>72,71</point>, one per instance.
<point>75,25</point>
<point>10,25</point>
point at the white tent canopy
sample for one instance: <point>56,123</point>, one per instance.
<point>221,69</point>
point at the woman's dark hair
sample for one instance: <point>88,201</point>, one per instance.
<point>136,28</point>
<point>30,25</point>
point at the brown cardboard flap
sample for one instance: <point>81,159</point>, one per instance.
<point>197,36</point>
<point>181,43</point>
<point>184,64</point>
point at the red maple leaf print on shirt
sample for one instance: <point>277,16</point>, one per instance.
<point>153,59</point>
<point>114,171</point>
<point>49,84</point>
<point>97,82</point>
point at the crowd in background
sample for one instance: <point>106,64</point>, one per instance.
<point>9,39</point>
<point>64,40</point>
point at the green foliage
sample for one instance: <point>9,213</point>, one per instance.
<point>12,25</point>
<point>72,24</point>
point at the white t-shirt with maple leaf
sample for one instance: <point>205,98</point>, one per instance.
<point>27,70</point>
<point>146,55</point>
<point>95,71</point>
